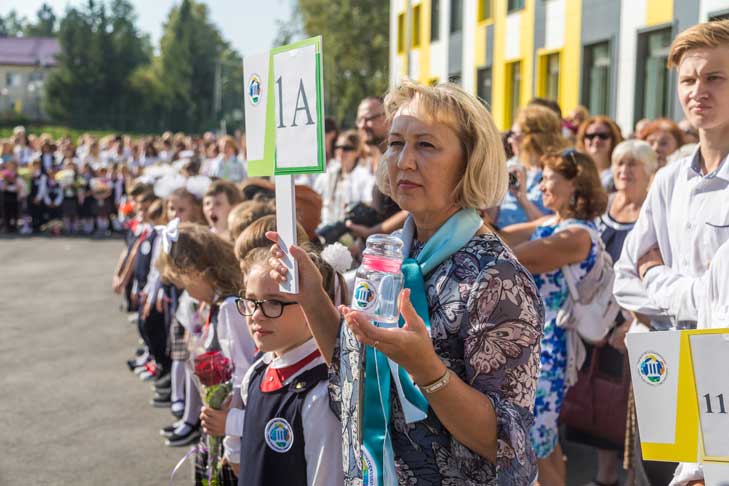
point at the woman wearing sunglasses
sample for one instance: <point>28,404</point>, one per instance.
<point>598,136</point>
<point>346,180</point>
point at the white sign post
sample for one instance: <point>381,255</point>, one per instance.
<point>285,129</point>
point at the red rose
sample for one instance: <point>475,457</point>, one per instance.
<point>213,368</point>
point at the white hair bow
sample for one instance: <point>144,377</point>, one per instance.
<point>169,234</point>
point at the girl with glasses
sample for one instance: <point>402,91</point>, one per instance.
<point>289,434</point>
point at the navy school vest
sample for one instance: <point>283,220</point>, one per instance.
<point>272,446</point>
<point>143,262</point>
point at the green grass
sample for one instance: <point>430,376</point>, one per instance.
<point>56,132</point>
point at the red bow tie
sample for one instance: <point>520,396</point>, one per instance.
<point>275,377</point>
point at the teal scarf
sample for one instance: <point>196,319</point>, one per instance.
<point>378,458</point>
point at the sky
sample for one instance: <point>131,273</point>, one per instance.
<point>246,24</point>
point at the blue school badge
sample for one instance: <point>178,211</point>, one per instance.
<point>254,89</point>
<point>279,435</point>
<point>145,248</point>
<point>652,368</point>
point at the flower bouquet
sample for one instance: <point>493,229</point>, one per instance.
<point>212,371</point>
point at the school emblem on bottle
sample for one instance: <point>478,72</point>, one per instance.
<point>279,435</point>
<point>254,89</point>
<point>364,295</point>
<point>369,470</point>
<point>652,368</point>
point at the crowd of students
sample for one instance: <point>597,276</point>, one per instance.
<point>582,194</point>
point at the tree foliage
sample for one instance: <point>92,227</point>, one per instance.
<point>356,49</point>
<point>108,76</point>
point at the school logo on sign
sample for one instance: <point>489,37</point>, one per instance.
<point>254,89</point>
<point>364,294</point>
<point>279,435</point>
<point>652,368</point>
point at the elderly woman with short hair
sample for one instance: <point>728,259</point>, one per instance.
<point>472,373</point>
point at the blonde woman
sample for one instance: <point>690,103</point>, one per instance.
<point>536,131</point>
<point>476,365</point>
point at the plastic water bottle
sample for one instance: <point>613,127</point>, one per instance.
<point>379,280</point>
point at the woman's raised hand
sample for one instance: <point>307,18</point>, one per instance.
<point>409,346</point>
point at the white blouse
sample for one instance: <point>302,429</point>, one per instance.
<point>338,191</point>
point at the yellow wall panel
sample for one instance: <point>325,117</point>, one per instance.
<point>424,69</point>
<point>658,12</point>
<point>499,96</point>
<point>570,60</point>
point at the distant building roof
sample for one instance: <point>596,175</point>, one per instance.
<point>29,51</point>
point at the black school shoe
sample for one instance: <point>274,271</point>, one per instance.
<point>192,436</point>
<point>161,400</point>
<point>169,430</point>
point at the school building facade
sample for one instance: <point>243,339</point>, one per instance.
<point>608,55</point>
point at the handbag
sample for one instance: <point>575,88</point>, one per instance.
<point>598,403</point>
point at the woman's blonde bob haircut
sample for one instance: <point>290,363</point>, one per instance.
<point>484,179</point>
<point>638,150</point>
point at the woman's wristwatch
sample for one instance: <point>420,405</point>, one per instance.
<point>438,384</point>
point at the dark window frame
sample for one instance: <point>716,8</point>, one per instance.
<point>434,20</point>
<point>585,82</point>
<point>641,57</point>
<point>515,5</point>
<point>456,17</point>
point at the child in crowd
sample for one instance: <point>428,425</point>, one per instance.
<point>13,191</point>
<point>36,195</point>
<point>204,265</point>
<point>151,325</point>
<point>288,430</point>
<point>70,184</point>
<point>186,208</point>
<point>245,213</point>
<point>53,196</point>
<point>218,201</point>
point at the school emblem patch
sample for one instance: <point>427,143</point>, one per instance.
<point>145,248</point>
<point>369,470</point>
<point>652,368</point>
<point>254,89</point>
<point>279,435</point>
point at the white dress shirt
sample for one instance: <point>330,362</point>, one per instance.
<point>231,169</point>
<point>322,430</point>
<point>687,215</point>
<point>713,313</point>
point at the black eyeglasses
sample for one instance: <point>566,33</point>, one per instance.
<point>346,148</point>
<point>270,308</point>
<point>600,135</point>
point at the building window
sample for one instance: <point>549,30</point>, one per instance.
<point>514,5</point>
<point>596,78</point>
<point>416,26</point>
<point>401,32</point>
<point>434,20</point>
<point>722,15</point>
<point>455,78</point>
<point>483,86</point>
<point>514,85</point>
<point>456,16</point>
<point>654,80</point>
<point>551,77</point>
<point>484,9</point>
<point>13,80</point>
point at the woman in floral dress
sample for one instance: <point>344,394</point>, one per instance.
<point>477,365</point>
<point>572,189</point>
